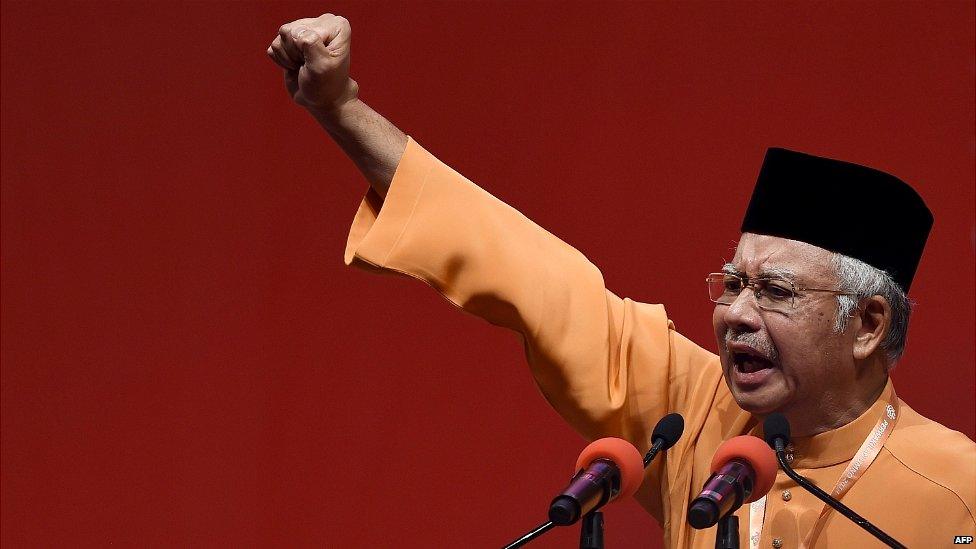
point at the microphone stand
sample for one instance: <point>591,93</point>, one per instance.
<point>727,536</point>
<point>591,532</point>
<point>824,497</point>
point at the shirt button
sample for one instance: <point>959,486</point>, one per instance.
<point>787,496</point>
<point>777,543</point>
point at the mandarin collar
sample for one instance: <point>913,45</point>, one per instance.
<point>839,445</point>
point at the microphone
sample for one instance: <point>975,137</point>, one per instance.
<point>776,431</point>
<point>607,469</point>
<point>743,470</point>
<point>666,433</point>
<point>613,468</point>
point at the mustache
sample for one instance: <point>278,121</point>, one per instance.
<point>756,340</point>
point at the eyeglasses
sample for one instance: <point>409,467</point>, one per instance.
<point>772,293</point>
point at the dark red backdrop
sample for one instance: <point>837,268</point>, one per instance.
<point>187,361</point>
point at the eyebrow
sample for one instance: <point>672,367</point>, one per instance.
<point>777,272</point>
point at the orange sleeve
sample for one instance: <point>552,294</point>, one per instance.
<point>609,366</point>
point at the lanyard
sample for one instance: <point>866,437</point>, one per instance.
<point>860,463</point>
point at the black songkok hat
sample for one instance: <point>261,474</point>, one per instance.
<point>842,207</point>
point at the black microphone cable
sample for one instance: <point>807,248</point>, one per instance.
<point>776,431</point>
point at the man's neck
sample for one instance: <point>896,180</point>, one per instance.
<point>836,411</point>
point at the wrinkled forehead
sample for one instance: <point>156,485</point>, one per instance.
<point>760,255</point>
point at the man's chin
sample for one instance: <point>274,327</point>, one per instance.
<point>757,408</point>
<point>757,402</point>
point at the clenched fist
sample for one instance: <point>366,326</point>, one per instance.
<point>314,54</point>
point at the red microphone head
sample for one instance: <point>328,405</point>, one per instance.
<point>621,453</point>
<point>755,452</point>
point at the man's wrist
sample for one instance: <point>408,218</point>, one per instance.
<point>335,111</point>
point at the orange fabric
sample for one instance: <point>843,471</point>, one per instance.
<point>613,367</point>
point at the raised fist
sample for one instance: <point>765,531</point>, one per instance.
<point>315,56</point>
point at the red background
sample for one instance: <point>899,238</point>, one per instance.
<point>186,360</point>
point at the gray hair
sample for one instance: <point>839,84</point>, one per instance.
<point>863,280</point>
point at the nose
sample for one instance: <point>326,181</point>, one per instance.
<point>743,313</point>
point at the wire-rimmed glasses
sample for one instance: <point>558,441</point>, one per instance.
<point>772,293</point>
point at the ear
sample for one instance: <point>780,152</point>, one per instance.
<point>871,320</point>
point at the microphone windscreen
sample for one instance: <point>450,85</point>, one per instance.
<point>623,454</point>
<point>775,427</point>
<point>669,429</point>
<point>753,451</point>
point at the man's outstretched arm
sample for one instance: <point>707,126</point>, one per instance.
<point>314,54</point>
<point>604,363</point>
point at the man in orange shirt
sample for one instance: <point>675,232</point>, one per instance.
<point>809,320</point>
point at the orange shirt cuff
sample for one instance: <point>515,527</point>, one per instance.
<point>379,223</point>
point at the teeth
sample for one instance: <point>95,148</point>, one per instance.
<point>748,363</point>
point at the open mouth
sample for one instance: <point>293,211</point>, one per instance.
<point>747,363</point>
